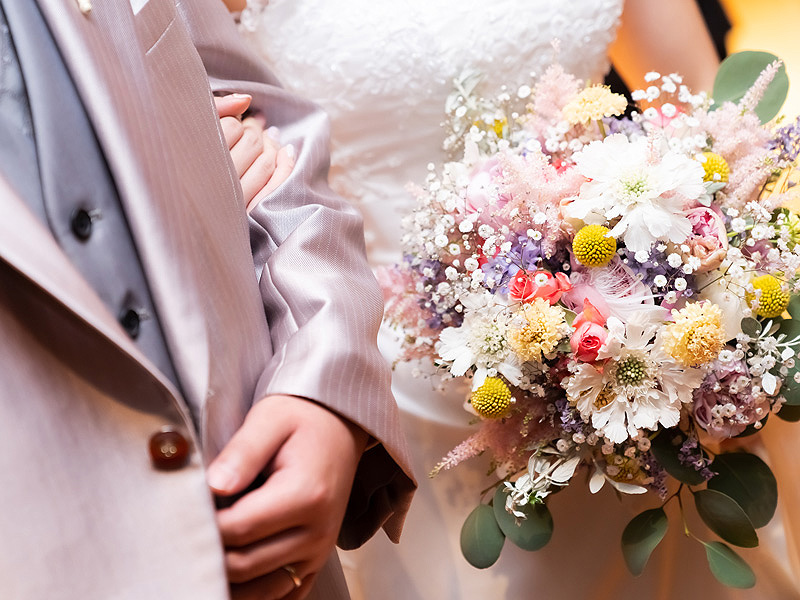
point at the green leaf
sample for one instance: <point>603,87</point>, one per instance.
<point>791,329</point>
<point>794,306</point>
<point>749,482</point>
<point>641,536</point>
<point>533,532</point>
<point>481,538</point>
<point>751,327</point>
<point>789,413</point>
<point>665,447</point>
<point>725,518</point>
<point>738,73</point>
<point>728,567</point>
<point>751,429</point>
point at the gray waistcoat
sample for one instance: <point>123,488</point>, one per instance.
<point>49,153</point>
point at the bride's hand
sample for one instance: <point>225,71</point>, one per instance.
<point>261,162</point>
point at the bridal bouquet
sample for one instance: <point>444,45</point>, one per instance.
<point>618,289</point>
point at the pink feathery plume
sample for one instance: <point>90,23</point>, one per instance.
<point>509,440</point>
<point>536,186</point>
<point>614,290</point>
<point>759,88</point>
<point>743,142</point>
<point>554,89</point>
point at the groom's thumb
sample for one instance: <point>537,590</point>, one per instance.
<point>248,452</point>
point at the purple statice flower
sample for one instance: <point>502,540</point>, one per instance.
<point>654,469</point>
<point>692,456</point>
<point>656,271</point>
<point>787,141</point>
<point>525,253</point>
<point>624,125</point>
<point>431,273</point>
<point>567,417</point>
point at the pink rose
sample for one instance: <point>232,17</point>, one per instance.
<point>525,286</point>
<point>709,240</point>
<point>587,340</point>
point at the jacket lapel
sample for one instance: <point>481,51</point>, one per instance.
<point>107,51</point>
<point>28,246</point>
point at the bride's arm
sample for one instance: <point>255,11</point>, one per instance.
<point>235,5</point>
<point>668,37</point>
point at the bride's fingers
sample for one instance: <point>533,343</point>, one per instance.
<point>246,150</point>
<point>283,168</point>
<point>232,105</point>
<point>232,130</point>
<point>259,173</point>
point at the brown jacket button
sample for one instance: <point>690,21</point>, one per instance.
<point>169,449</point>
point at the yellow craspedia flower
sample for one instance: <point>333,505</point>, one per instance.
<point>697,335</point>
<point>593,247</point>
<point>498,125</point>
<point>772,301</point>
<point>536,330</point>
<point>492,399</point>
<point>716,168</point>
<point>593,103</point>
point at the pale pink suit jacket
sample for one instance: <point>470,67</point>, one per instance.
<point>83,514</point>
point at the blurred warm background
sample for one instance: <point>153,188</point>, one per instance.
<point>770,25</point>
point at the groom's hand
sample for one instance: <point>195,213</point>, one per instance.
<point>309,457</point>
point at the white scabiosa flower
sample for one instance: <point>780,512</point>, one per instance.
<point>480,342</point>
<point>644,196</point>
<point>639,387</point>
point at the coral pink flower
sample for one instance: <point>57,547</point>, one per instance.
<point>587,340</point>
<point>590,314</point>
<point>525,286</point>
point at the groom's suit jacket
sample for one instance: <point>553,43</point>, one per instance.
<point>83,512</point>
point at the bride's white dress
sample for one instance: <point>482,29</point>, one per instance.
<point>382,69</point>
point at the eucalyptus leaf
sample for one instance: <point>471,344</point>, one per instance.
<point>751,429</point>
<point>749,482</point>
<point>738,73</point>
<point>751,327</point>
<point>665,447</point>
<point>481,538</point>
<point>790,413</point>
<point>728,567</point>
<point>641,536</point>
<point>791,329</point>
<point>794,306</point>
<point>726,518</point>
<point>533,532</point>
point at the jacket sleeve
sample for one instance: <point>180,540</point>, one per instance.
<point>320,297</point>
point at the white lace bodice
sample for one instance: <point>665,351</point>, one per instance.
<point>383,69</point>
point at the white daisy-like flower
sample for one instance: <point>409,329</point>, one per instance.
<point>546,470</point>
<point>639,387</point>
<point>645,197</point>
<point>481,341</point>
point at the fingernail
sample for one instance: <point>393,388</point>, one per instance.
<point>221,477</point>
<point>290,151</point>
<point>274,133</point>
<point>242,96</point>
